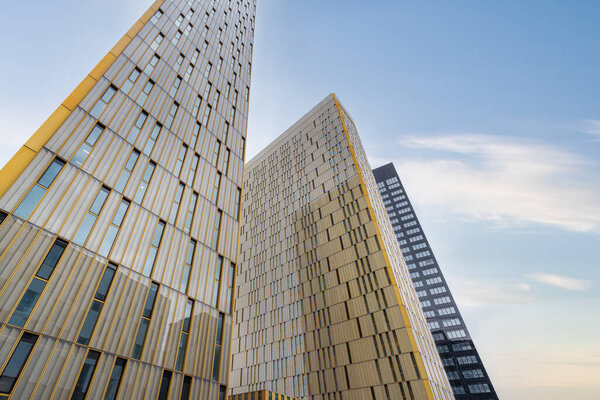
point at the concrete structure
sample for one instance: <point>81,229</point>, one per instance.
<point>326,308</point>
<point>119,218</point>
<point>464,367</point>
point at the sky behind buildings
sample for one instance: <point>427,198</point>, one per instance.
<point>489,110</point>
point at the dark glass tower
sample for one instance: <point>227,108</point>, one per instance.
<point>463,365</point>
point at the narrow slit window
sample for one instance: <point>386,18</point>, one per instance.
<point>86,147</point>
<point>189,219</point>
<point>176,203</point>
<point>217,282</point>
<point>152,139</point>
<point>113,229</point>
<point>137,127</point>
<point>187,268</point>
<point>15,364</point>
<point>133,77</point>
<point>126,173</point>
<point>183,339</point>
<point>144,323</point>
<point>139,195</point>
<point>154,246</point>
<point>141,100</point>
<point>86,375</point>
<point>115,379</point>
<point>103,101</point>
<point>92,215</point>
<point>38,284</point>
<point>218,348</point>
<point>38,190</point>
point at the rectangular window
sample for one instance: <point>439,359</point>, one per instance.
<point>179,20</point>
<point>217,188</point>
<point>156,16</point>
<point>92,215</point>
<point>230,288</point>
<point>115,379</point>
<point>197,106</point>
<point>159,38</point>
<point>86,147</point>
<point>176,203</point>
<point>145,93</point>
<point>180,160</point>
<point>204,45</point>
<point>195,57</point>
<point>189,219</point>
<point>176,38</point>
<point>154,246</point>
<point>217,229</point>
<point>222,392</point>
<point>188,73</point>
<point>86,375</point>
<point>38,284</point>
<point>215,159</point>
<point>135,129</point>
<point>175,87</point>
<point>226,161</point>
<point>238,199</point>
<point>165,382</point>
<point>97,303</point>
<point>218,345</point>
<point>188,29</point>
<point>139,195</point>
<point>217,283</point>
<point>152,139</point>
<point>135,74</point>
<point>193,169</point>
<point>103,101</point>
<point>38,190</point>
<point>186,388</point>
<point>140,337</point>
<point>17,361</point>
<point>151,65</point>
<point>206,117</point>
<point>179,61</point>
<point>185,331</point>
<point>113,229</point>
<point>126,173</point>
<point>187,269</point>
<point>171,116</point>
<point>2,217</point>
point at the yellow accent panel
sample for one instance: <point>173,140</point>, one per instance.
<point>408,327</point>
<point>102,66</point>
<point>79,93</point>
<point>14,167</point>
<point>45,132</point>
<point>17,164</point>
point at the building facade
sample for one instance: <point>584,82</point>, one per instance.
<point>325,306</point>
<point>463,364</point>
<point>119,217</point>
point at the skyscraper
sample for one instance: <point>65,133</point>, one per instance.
<point>325,307</point>
<point>119,218</point>
<point>464,367</point>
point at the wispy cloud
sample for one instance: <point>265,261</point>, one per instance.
<point>504,180</point>
<point>477,292</point>
<point>560,281</point>
<point>591,126</point>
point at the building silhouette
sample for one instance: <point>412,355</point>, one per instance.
<point>461,360</point>
<point>119,217</point>
<point>325,308</point>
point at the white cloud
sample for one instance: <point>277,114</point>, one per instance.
<point>592,126</point>
<point>503,180</point>
<point>560,281</point>
<point>475,292</point>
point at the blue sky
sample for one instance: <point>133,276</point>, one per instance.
<point>489,110</point>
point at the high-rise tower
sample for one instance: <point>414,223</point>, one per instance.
<point>463,365</point>
<point>326,308</point>
<point>119,218</point>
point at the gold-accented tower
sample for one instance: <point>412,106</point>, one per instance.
<point>119,217</point>
<point>326,308</point>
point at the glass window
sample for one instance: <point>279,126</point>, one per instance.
<point>164,385</point>
<point>171,116</point>
<point>230,288</point>
<point>217,229</point>
<point>175,86</point>
<point>217,187</point>
<point>139,195</point>
<point>86,147</point>
<point>85,376</point>
<point>219,342</point>
<point>188,266</point>
<point>113,229</point>
<point>151,65</point>
<point>115,379</point>
<point>17,361</point>
<point>92,215</point>
<point>193,169</point>
<point>176,203</point>
<point>151,258</point>
<point>217,282</point>
<point>190,214</point>
<point>186,388</point>
<point>103,101</point>
<point>135,74</point>
<point>141,100</point>
<point>38,190</point>
<point>37,285</point>
<point>152,139</point>
<point>180,160</point>
<point>135,129</point>
<point>126,173</point>
<point>2,216</point>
